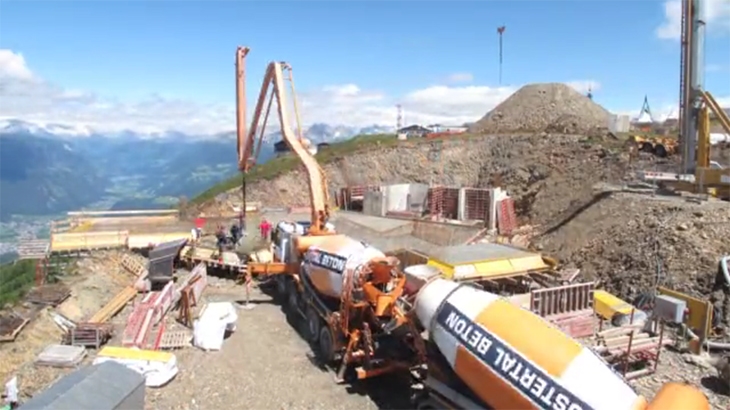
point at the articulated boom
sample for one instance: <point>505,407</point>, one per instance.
<point>273,88</point>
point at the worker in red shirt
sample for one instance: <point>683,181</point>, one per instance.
<point>265,229</point>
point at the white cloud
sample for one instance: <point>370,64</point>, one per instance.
<point>460,78</point>
<point>716,16</point>
<point>583,86</point>
<point>25,96</point>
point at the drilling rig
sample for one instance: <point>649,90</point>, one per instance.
<point>697,174</point>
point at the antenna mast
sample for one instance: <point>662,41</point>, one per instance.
<point>500,31</point>
<point>399,119</point>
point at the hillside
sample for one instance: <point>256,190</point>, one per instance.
<point>43,176</point>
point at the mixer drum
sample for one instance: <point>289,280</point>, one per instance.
<point>333,260</point>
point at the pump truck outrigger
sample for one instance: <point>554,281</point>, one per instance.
<point>344,289</point>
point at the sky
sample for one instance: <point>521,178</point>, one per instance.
<point>161,65</point>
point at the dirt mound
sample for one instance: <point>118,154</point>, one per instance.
<point>551,107</point>
<point>632,242</point>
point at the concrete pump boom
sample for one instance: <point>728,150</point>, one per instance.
<point>273,88</point>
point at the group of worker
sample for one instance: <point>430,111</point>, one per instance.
<point>236,233</point>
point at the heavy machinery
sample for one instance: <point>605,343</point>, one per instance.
<point>697,173</point>
<point>473,349</point>
<point>345,290</point>
<point>658,146</point>
<point>483,352</point>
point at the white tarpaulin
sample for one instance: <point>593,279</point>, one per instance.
<point>210,328</point>
<point>158,370</point>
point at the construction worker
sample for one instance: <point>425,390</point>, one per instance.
<point>220,236</point>
<point>265,229</point>
<point>235,234</point>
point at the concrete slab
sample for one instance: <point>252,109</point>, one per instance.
<point>374,223</point>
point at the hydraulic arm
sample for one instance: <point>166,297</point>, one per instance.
<point>249,143</point>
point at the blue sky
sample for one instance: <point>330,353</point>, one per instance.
<point>183,50</point>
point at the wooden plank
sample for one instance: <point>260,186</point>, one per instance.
<point>114,306</point>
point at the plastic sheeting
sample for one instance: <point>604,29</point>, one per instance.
<point>215,320</point>
<point>158,368</point>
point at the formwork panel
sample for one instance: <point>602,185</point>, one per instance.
<point>476,206</point>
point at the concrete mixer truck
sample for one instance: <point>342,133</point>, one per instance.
<point>483,352</point>
<point>342,289</point>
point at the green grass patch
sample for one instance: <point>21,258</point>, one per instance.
<point>15,280</point>
<point>278,166</point>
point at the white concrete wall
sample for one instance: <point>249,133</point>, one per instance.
<point>497,195</point>
<point>396,197</point>
<point>619,123</point>
<point>405,197</point>
<point>418,193</point>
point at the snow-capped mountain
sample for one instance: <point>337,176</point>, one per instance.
<point>316,133</point>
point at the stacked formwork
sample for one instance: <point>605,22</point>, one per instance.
<point>443,202</point>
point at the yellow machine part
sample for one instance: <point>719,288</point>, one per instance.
<point>115,352</point>
<point>607,305</point>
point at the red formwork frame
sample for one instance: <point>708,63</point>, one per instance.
<point>506,216</point>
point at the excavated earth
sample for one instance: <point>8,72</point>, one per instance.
<point>620,239</point>
<point>549,107</point>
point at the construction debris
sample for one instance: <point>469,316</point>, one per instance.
<point>61,356</point>
<point>10,325</point>
<point>51,295</point>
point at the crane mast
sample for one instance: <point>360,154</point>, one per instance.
<point>691,81</point>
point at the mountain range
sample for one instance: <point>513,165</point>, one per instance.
<point>52,168</point>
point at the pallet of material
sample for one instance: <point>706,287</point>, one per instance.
<point>11,325</point>
<point>177,339</point>
<point>114,306</point>
<point>51,295</point>
<point>88,335</point>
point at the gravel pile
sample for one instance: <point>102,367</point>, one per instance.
<point>551,107</point>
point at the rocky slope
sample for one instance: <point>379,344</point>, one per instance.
<point>548,174</point>
<point>618,239</point>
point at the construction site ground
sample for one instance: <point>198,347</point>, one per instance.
<point>264,363</point>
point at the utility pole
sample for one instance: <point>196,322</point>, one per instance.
<point>500,31</point>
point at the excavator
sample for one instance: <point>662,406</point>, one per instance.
<point>465,348</point>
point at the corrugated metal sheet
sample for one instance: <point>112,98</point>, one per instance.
<point>162,257</point>
<point>107,386</point>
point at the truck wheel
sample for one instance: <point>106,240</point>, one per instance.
<point>292,297</point>
<point>427,404</point>
<point>314,324</point>
<point>281,285</point>
<point>326,345</point>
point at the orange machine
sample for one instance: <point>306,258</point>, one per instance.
<point>344,289</point>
